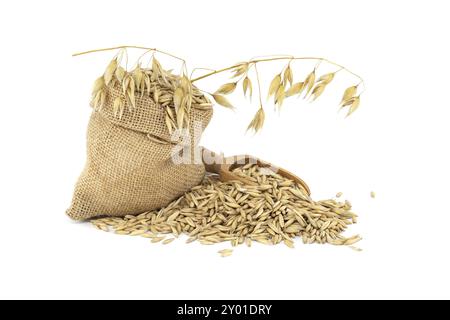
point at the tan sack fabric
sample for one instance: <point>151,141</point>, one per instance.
<point>126,171</point>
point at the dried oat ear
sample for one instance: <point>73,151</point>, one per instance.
<point>183,94</point>
<point>174,93</point>
<point>282,85</point>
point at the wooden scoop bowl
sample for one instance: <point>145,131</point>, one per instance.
<point>224,168</point>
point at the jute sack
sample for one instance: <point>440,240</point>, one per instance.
<point>127,170</point>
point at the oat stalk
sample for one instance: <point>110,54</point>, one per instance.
<point>128,47</point>
<point>214,72</point>
<point>281,87</point>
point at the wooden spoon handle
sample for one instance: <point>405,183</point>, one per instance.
<point>211,167</point>
<point>224,168</point>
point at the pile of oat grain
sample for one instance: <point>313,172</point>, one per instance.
<point>273,211</point>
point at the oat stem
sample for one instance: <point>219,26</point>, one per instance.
<point>195,69</point>
<point>259,86</point>
<point>255,61</point>
<point>127,47</point>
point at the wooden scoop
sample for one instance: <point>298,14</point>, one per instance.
<point>224,168</point>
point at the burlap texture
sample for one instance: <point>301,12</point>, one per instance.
<point>126,172</point>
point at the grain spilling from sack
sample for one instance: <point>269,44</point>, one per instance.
<point>272,211</point>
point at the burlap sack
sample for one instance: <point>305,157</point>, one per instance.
<point>126,172</point>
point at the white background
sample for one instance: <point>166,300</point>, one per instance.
<point>395,145</point>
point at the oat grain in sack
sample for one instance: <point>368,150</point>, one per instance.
<point>130,139</point>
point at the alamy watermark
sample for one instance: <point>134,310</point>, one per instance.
<point>187,150</point>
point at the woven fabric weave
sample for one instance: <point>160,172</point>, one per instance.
<point>127,173</point>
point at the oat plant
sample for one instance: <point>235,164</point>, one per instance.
<point>177,93</point>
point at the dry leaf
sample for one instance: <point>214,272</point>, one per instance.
<point>274,85</point>
<point>247,86</point>
<point>226,88</point>
<point>348,94</point>
<point>296,88</point>
<point>110,70</point>
<point>258,121</point>
<point>222,101</point>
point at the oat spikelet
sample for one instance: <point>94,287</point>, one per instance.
<point>348,94</point>
<point>222,101</point>
<point>148,84</point>
<point>288,76</point>
<point>156,68</point>
<point>354,105</point>
<point>99,84</point>
<point>258,120</point>
<point>99,100</point>
<point>317,91</point>
<point>274,85</point>
<point>169,123</point>
<point>178,98</point>
<point>180,117</point>
<point>296,88</point>
<point>280,95</point>
<point>118,107</point>
<point>120,74</point>
<point>129,88</point>
<point>138,76</point>
<point>309,82</point>
<point>156,94</point>
<point>110,70</point>
<point>240,70</point>
<point>326,78</point>
<point>247,86</point>
<point>226,88</point>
